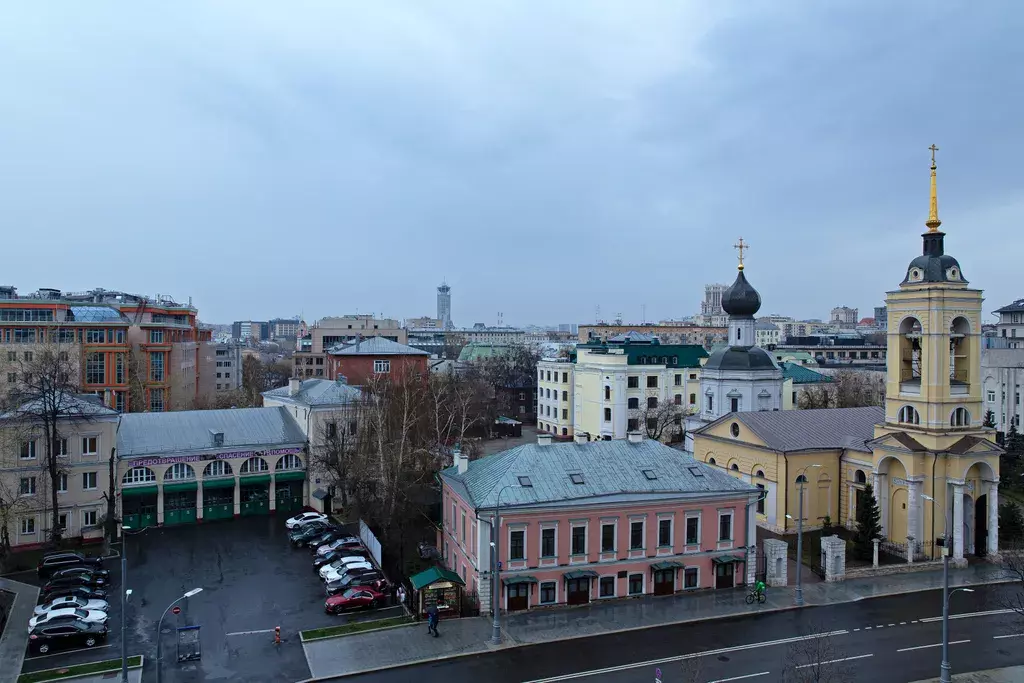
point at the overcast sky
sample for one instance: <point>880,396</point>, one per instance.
<point>323,158</point>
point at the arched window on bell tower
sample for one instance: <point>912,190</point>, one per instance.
<point>909,353</point>
<point>959,350</point>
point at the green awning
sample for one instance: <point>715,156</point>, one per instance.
<point>512,580</point>
<point>727,559</point>
<point>248,479</point>
<point>181,486</point>
<point>227,483</point>
<point>290,475</point>
<point>140,490</point>
<point>667,564</point>
<point>580,574</point>
<point>434,575</point>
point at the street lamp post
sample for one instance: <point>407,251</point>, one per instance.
<point>124,602</point>
<point>496,589</point>
<point>798,598</point>
<point>945,671</point>
<point>160,626</point>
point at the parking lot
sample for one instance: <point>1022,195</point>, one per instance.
<point>252,581</point>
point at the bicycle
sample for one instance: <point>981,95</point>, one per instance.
<point>757,595</point>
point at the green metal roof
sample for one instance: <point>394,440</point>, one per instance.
<point>672,355</point>
<point>801,375</point>
<point>479,350</point>
<point>727,559</point>
<point>522,578</point>
<point>580,574</point>
<point>433,575</point>
<point>667,564</point>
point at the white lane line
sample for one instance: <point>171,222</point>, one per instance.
<point>834,661</point>
<point>969,615</point>
<point>923,647</point>
<point>1012,635</point>
<point>69,652</point>
<point>680,658</point>
<point>868,628</point>
<point>892,624</point>
<point>249,633</point>
<point>855,630</point>
<point>903,623</point>
<point>914,621</point>
<point>740,678</point>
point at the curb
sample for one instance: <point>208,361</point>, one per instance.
<point>354,633</point>
<point>517,644</point>
<point>112,669</point>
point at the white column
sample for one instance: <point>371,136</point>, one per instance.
<point>914,513</point>
<point>882,496</point>
<point>993,518</point>
<point>958,521</point>
<point>751,543</point>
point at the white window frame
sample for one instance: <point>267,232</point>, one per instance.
<point>687,546</point>
<point>85,518</point>
<point>540,593</point>
<point>643,583</point>
<point>24,523</point>
<point>180,468</point>
<point>261,464</point>
<point>31,450</point>
<point>615,586</point>
<point>692,588</point>
<point>579,558</point>
<point>62,483</point>
<point>731,514</point>
<point>643,535</point>
<point>381,366</point>
<point>991,396</point>
<point>32,486</point>
<point>514,528</point>
<point>139,475</point>
<point>547,560</point>
<point>95,481</point>
<point>614,523</point>
<point>223,467</point>
<point>63,447</point>
<point>661,549</point>
<point>85,444</point>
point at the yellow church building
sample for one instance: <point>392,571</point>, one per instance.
<point>928,457</point>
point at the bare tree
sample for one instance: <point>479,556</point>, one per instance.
<point>658,420</point>
<point>12,503</point>
<point>507,374</point>
<point>1011,556</point>
<point>847,389</point>
<point>254,380</point>
<point>817,658</point>
<point>456,404</point>
<point>335,448</point>
<point>110,520</point>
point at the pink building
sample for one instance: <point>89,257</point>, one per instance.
<point>582,522</point>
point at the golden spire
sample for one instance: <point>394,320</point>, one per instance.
<point>933,221</point>
<point>741,245</point>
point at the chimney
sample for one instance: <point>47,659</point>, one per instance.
<point>581,437</point>
<point>217,437</point>
<point>461,460</point>
<point>543,439</point>
<point>635,437</point>
<point>294,385</point>
<point>359,340</point>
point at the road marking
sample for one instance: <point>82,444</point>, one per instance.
<point>69,652</point>
<point>892,624</point>
<point>740,678</point>
<point>855,630</point>
<point>679,658</point>
<point>923,647</point>
<point>914,621</point>
<point>903,623</point>
<point>834,661</point>
<point>1012,635</point>
<point>969,615</point>
<point>868,628</point>
<point>880,626</point>
<point>249,633</point>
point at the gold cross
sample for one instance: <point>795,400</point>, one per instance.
<point>934,149</point>
<point>741,245</point>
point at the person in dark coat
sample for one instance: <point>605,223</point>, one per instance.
<point>433,617</point>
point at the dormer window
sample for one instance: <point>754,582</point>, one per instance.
<point>915,275</point>
<point>953,273</point>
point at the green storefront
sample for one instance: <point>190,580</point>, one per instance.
<point>138,506</point>
<point>218,499</point>
<point>288,491</point>
<point>254,494</point>
<point>180,503</point>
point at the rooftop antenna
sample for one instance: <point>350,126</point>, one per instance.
<point>597,313</point>
<point>643,314</point>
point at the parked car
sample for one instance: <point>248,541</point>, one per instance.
<point>75,581</point>
<point>77,591</point>
<point>80,571</point>
<point>72,601</point>
<point>64,633</point>
<point>307,532</point>
<point>54,561</point>
<point>352,573</point>
<point>342,560</point>
<point>304,518</point>
<point>353,598</point>
<point>373,579</point>
<point>339,566</point>
<point>338,554</point>
<point>341,542</point>
<point>68,614</point>
<point>326,537</point>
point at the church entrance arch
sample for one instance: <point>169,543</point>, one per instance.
<point>981,526</point>
<point>968,524</point>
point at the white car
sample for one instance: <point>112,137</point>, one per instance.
<point>92,616</point>
<point>343,562</point>
<point>304,518</point>
<point>336,543</point>
<point>72,602</point>
<point>333,572</point>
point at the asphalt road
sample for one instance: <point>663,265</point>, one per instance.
<point>252,581</point>
<point>885,640</point>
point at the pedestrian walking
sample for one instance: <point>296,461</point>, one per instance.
<point>401,594</point>
<point>432,618</point>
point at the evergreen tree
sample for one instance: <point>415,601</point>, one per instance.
<point>1011,524</point>
<point>990,419</point>
<point>1010,460</point>
<point>869,525</point>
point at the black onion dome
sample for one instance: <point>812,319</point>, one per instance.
<point>934,265</point>
<point>741,300</point>
<point>740,358</point>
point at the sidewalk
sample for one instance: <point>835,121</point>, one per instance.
<point>1011,674</point>
<point>15,636</point>
<point>396,647</point>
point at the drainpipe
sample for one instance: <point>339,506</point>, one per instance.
<point>785,509</point>
<point>935,461</point>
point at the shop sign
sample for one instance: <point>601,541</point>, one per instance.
<point>147,462</point>
<point>900,482</point>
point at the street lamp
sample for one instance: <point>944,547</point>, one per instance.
<point>495,544</point>
<point>944,668</point>
<point>160,627</point>
<point>125,594</point>
<point>798,598</point>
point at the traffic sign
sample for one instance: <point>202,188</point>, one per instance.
<point>176,610</point>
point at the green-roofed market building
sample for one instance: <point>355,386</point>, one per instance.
<point>631,382</point>
<point>797,379</point>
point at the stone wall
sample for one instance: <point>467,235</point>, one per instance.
<point>887,569</point>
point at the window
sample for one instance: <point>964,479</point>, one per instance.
<point>89,518</point>
<point>27,486</point>
<point>607,393</point>
<point>547,593</point>
<point>693,530</point>
<point>908,415</point>
<point>652,402</point>
<point>62,521</point>
<point>991,396</point>
<point>382,366</point>
<point>725,526</point>
<point>679,380</point>
<point>12,377</point>
<point>565,377</point>
<point>565,413</point>
<point>95,368</point>
<point>138,475</point>
<point>632,424</point>
<point>960,418</point>
<point>734,405</point>
<point>607,414</point>
<point>565,395</point>
<point>332,430</point>
<point>608,538</point>
<point>119,401</point>
<point>547,542</point>
<point>633,403</point>
<point>119,368</point>
<point>665,533</point>
<point>632,382</point>
<point>156,336</point>
<point>517,545</point>
<point>576,478</point>
<point>652,381</point>
<point>156,400</point>
<point>636,584</point>
<point>579,540</point>
<point>693,399</point>
<point>760,501</point>
<point>28,450</point>
<point>217,468</point>
<point>95,336</point>
<point>227,375</point>
<point>711,403</point>
<point>12,356</point>
<point>180,470</point>
<point>462,521</point>
<point>678,400</point>
<point>28,525</point>
<point>156,366</point>
<point>88,481</point>
<point>549,375</point>
<point>606,587</point>
<point>690,578</point>
<point>62,483</point>
<point>636,535</point>
<point>89,445</point>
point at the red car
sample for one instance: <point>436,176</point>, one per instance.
<point>353,598</point>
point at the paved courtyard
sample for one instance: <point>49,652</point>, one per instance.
<point>252,581</point>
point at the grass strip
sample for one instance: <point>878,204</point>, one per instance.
<point>78,670</point>
<point>354,627</point>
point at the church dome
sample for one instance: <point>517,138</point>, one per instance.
<point>740,358</point>
<point>741,300</point>
<point>934,265</point>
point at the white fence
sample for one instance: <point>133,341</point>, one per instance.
<point>370,541</point>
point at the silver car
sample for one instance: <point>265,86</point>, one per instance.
<point>72,602</point>
<point>91,616</point>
